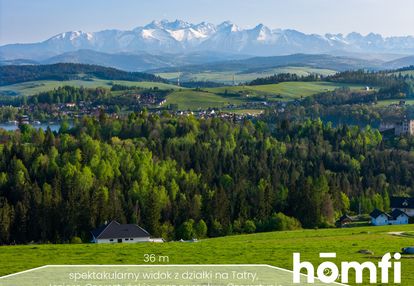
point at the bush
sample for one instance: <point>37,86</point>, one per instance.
<point>186,230</point>
<point>249,226</point>
<point>216,229</point>
<point>200,229</point>
<point>76,240</point>
<point>281,221</point>
<point>167,231</point>
<point>237,226</point>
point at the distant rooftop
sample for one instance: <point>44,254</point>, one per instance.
<point>117,230</point>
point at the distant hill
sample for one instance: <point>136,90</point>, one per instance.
<point>18,62</point>
<point>127,62</point>
<point>11,74</point>
<point>257,64</point>
<point>139,61</point>
<point>398,63</point>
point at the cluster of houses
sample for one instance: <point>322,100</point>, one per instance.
<point>223,114</point>
<point>92,108</point>
<point>382,218</point>
<point>402,210</point>
<point>70,109</point>
<point>148,98</point>
<point>403,127</point>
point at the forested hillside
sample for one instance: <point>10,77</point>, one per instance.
<point>67,71</point>
<point>181,177</point>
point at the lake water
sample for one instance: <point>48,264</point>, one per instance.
<point>12,127</point>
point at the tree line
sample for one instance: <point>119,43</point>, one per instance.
<point>11,74</point>
<point>388,82</point>
<point>284,77</point>
<point>181,177</point>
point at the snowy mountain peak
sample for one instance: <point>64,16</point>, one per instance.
<point>72,35</point>
<point>205,28</point>
<point>179,24</point>
<point>168,25</point>
<point>153,25</point>
<point>260,27</point>
<point>228,26</point>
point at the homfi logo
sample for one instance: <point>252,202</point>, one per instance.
<point>328,272</point>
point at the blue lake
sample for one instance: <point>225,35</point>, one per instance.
<point>12,127</point>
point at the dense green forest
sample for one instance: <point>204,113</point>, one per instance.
<point>11,74</point>
<point>284,77</point>
<point>182,177</point>
<point>71,94</point>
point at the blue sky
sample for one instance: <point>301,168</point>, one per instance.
<point>35,20</point>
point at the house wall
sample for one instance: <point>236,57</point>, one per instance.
<point>124,240</point>
<point>411,127</point>
<point>409,212</point>
<point>381,220</point>
<point>402,219</point>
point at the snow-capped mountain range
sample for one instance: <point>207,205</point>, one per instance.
<point>178,36</point>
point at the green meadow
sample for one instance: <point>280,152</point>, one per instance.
<point>33,87</point>
<point>242,77</point>
<point>193,100</point>
<point>388,102</point>
<point>273,248</point>
<point>222,96</point>
<point>403,73</point>
<point>247,111</point>
<point>287,90</point>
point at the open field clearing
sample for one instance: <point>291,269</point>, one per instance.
<point>223,96</point>
<point>33,87</point>
<point>388,102</point>
<point>191,99</point>
<point>274,248</point>
<point>242,77</point>
<point>286,90</point>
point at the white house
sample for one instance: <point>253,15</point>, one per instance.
<point>403,204</point>
<point>395,217</point>
<point>115,232</point>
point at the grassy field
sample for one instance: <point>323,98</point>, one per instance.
<point>275,248</point>
<point>242,77</point>
<point>387,102</point>
<point>193,100</point>
<point>287,90</point>
<point>190,99</point>
<point>222,96</point>
<point>297,89</point>
<point>407,72</point>
<point>246,111</point>
<point>33,87</point>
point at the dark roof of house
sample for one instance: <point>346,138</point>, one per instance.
<point>396,213</point>
<point>345,217</point>
<point>117,230</point>
<point>402,203</point>
<point>376,213</point>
